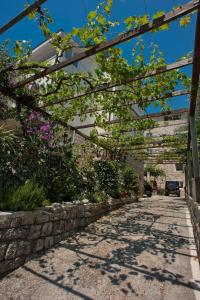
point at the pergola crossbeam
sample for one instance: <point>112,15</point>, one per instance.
<point>138,118</point>
<point>170,67</point>
<point>134,130</point>
<point>21,15</point>
<point>156,23</point>
<point>166,96</point>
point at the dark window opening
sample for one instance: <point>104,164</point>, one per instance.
<point>179,167</point>
<point>175,117</point>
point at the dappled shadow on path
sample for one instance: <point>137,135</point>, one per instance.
<point>137,241</point>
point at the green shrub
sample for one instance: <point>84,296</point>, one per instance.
<point>99,197</point>
<point>130,180</point>
<point>46,202</point>
<point>107,176</point>
<point>53,167</point>
<point>26,197</point>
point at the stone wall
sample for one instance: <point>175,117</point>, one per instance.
<point>194,208</point>
<point>25,233</point>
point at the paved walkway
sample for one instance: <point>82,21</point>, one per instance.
<point>142,251</point>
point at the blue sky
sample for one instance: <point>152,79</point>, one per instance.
<point>175,42</point>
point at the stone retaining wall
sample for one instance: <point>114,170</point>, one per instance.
<point>25,233</point>
<point>194,208</point>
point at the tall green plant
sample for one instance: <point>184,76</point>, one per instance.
<point>107,176</point>
<point>130,180</point>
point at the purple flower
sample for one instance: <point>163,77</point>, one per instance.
<point>45,128</point>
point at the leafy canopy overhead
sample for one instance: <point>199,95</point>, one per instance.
<point>110,67</point>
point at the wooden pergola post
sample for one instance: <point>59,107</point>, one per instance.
<point>192,125</point>
<point>195,159</point>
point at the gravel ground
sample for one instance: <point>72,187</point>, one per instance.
<point>143,251</point>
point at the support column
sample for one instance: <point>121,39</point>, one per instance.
<point>195,159</point>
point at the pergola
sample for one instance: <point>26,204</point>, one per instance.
<point>191,148</point>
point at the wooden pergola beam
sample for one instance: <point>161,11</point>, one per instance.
<point>152,147</point>
<point>164,163</point>
<point>134,130</point>
<point>166,96</point>
<point>138,118</point>
<point>156,23</point>
<point>196,67</point>
<point>170,67</point>
<point>21,15</point>
<point>154,139</point>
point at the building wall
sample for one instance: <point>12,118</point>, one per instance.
<point>170,169</point>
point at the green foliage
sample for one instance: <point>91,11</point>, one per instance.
<point>154,171</point>
<point>26,197</point>
<point>54,168</point>
<point>107,175</point>
<point>99,197</point>
<point>130,180</point>
<point>185,21</point>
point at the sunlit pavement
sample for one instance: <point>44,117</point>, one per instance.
<point>142,251</point>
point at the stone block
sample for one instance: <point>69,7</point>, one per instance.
<point>57,205</point>
<point>28,218</point>
<point>5,266</point>
<point>11,250</point>
<point>42,217</point>
<point>15,222</point>
<point>65,235</point>
<point>57,238</point>
<point>73,212</point>
<point>82,222</point>
<point>16,233</point>
<point>24,248</point>
<point>19,261</point>
<point>56,216</point>
<point>47,229</point>
<point>56,227</point>
<point>88,214</point>
<point>59,226</point>
<point>2,233</point>
<point>35,231</point>
<point>80,211</point>
<point>5,219</point>
<point>49,241</point>
<point>3,247</point>
<point>68,225</point>
<point>38,245</point>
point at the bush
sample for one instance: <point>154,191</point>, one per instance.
<point>53,167</point>
<point>26,197</point>
<point>130,180</point>
<point>99,197</point>
<point>107,176</point>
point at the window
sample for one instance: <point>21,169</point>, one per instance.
<point>179,167</point>
<point>149,134</point>
<point>69,54</point>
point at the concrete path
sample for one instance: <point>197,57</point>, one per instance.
<point>143,251</point>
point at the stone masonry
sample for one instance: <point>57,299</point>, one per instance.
<point>194,208</point>
<point>25,233</point>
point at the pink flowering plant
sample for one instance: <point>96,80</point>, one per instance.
<point>36,126</point>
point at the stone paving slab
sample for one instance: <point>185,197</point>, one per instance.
<point>143,251</point>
